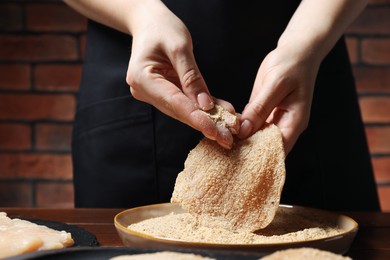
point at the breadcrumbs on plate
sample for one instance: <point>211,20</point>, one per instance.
<point>286,227</point>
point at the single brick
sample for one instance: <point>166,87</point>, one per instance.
<point>53,137</point>
<point>384,197</point>
<point>54,17</point>
<point>373,21</point>
<point>381,167</point>
<point>375,109</point>
<point>15,136</point>
<point>11,17</point>
<point>62,77</point>
<point>353,45</point>
<point>15,77</point>
<point>378,139</point>
<point>376,51</point>
<point>16,194</point>
<point>37,106</point>
<point>54,195</point>
<point>38,48</point>
<point>372,79</point>
<point>19,166</point>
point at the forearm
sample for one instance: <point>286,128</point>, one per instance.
<point>317,25</point>
<point>122,15</point>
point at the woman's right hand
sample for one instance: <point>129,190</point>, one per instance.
<point>162,71</point>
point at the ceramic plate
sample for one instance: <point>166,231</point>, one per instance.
<point>339,243</point>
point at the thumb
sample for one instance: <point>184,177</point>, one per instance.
<point>264,99</point>
<point>254,116</point>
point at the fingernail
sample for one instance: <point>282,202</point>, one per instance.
<point>245,129</point>
<point>210,137</point>
<point>226,146</point>
<point>226,137</point>
<point>232,123</point>
<point>204,101</point>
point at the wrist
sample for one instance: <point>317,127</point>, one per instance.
<point>302,51</point>
<point>142,12</point>
<point>317,25</point>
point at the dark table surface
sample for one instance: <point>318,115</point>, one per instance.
<point>371,242</point>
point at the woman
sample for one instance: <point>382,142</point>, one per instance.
<point>281,62</point>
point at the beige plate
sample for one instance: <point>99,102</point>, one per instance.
<point>338,244</point>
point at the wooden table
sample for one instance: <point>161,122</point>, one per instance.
<point>372,240</point>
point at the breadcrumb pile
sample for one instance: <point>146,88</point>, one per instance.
<point>286,227</point>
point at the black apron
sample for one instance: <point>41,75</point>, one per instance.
<point>126,153</point>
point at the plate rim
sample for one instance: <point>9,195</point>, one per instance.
<point>350,232</point>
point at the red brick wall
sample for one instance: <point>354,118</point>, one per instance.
<point>41,52</point>
<point>369,46</point>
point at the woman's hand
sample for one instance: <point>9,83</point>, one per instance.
<point>283,89</point>
<point>282,94</point>
<point>162,72</point>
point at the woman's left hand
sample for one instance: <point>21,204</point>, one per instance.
<point>282,94</point>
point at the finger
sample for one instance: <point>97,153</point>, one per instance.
<point>292,119</point>
<point>256,113</point>
<point>226,105</point>
<point>192,82</point>
<point>199,120</point>
<point>288,124</point>
<point>169,99</point>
